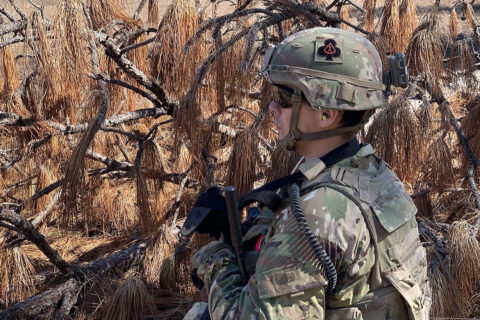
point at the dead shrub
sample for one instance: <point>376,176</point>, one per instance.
<point>131,301</point>
<point>394,134</point>
<point>390,25</point>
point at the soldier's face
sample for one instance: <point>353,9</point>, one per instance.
<point>309,120</point>
<point>281,118</point>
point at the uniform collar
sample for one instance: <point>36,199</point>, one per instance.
<point>313,167</point>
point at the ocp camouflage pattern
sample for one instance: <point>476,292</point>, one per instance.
<point>295,60</point>
<point>289,281</point>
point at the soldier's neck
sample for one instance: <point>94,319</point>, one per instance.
<point>319,148</point>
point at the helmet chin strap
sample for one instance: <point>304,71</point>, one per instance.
<point>295,135</point>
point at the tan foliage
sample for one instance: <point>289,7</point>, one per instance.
<point>16,274</point>
<point>382,47</point>
<point>11,80</point>
<point>241,172</point>
<point>469,13</point>
<point>71,55</point>
<point>425,48</point>
<point>153,13</point>
<point>160,249</point>
<point>408,20</point>
<point>390,25</point>
<point>453,26</point>
<point>395,136</point>
<point>471,123</point>
<point>131,301</point>
<point>369,6</point>
<point>169,64</point>
<point>464,251</point>
<point>103,12</point>
<point>345,15</point>
<point>444,173</point>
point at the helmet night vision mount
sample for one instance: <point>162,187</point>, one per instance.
<point>397,73</point>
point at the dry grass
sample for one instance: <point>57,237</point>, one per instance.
<point>131,301</point>
<point>370,6</point>
<point>169,64</point>
<point>345,15</point>
<point>441,170</point>
<point>469,14</point>
<point>462,64</point>
<point>395,136</point>
<point>408,18</point>
<point>161,248</point>
<point>382,47</point>
<point>47,93</point>
<point>453,26</point>
<point>390,25</point>
<point>425,47</point>
<point>241,172</point>
<point>464,251</point>
<point>103,12</point>
<point>11,80</point>
<point>285,162</point>
<point>443,297</point>
<point>153,13</point>
<point>16,275</point>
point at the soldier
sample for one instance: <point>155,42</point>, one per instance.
<point>344,244</point>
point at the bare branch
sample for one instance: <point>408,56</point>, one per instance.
<point>139,9</point>
<point>40,304</point>
<point>137,45</point>
<point>17,8</point>
<point>7,14</point>
<point>14,26</point>
<point>177,199</point>
<point>129,68</point>
<point>41,216</point>
<point>144,94</point>
<point>111,163</point>
<point>46,190</point>
<point>31,234</point>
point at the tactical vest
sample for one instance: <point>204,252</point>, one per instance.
<point>400,268</point>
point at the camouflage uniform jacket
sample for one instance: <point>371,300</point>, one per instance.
<point>366,222</point>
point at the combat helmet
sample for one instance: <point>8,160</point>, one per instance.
<point>332,69</point>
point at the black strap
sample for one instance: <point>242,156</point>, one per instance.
<point>266,194</point>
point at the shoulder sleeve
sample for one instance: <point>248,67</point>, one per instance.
<point>289,291</point>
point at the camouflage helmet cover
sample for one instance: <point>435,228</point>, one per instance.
<point>333,68</point>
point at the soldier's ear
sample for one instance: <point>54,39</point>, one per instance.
<point>330,118</point>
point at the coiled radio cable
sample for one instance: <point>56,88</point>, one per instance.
<point>329,268</point>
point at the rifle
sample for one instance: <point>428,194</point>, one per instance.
<point>235,228</point>
<point>217,215</point>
